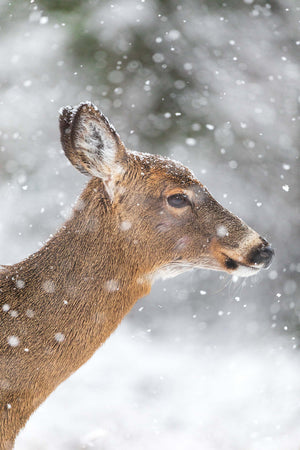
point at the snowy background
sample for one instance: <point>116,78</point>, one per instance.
<point>203,362</point>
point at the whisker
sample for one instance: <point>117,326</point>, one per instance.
<point>223,287</point>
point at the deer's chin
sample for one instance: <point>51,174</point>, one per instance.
<point>243,271</point>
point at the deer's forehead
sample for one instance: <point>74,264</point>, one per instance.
<point>161,170</point>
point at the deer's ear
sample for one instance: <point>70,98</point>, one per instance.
<point>92,144</point>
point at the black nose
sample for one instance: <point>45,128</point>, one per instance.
<point>262,255</point>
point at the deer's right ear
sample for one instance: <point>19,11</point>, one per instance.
<point>91,143</point>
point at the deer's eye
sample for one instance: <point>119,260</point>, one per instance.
<point>178,200</point>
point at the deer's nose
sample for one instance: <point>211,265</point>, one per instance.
<point>262,255</point>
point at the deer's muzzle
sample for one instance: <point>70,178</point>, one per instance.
<point>246,260</point>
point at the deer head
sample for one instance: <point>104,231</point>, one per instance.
<point>161,211</point>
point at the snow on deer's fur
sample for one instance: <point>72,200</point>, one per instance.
<point>140,217</point>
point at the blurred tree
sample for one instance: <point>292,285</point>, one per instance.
<point>212,83</point>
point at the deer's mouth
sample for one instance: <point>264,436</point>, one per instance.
<point>240,269</point>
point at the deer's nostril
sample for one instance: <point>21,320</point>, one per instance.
<point>262,255</point>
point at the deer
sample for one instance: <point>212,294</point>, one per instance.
<point>140,217</point>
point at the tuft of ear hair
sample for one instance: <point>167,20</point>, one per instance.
<point>91,143</point>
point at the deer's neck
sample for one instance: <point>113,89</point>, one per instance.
<point>87,277</point>
<point>64,301</point>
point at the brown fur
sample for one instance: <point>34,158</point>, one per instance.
<point>66,299</point>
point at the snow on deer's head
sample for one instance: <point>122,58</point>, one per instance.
<point>166,216</point>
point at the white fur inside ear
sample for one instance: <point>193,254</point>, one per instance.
<point>97,141</point>
<point>98,144</point>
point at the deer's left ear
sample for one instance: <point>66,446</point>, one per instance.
<point>92,144</point>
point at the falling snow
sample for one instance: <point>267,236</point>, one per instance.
<point>30,313</point>
<point>125,225</point>
<point>222,231</point>
<point>20,283</point>
<point>13,341</point>
<point>59,337</point>
<point>191,142</point>
<point>48,286</point>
